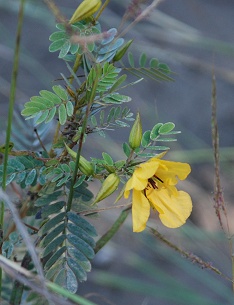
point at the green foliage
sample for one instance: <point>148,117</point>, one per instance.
<point>67,242</point>
<point>24,170</point>
<point>58,191</point>
<point>109,46</point>
<point>48,104</point>
<point>150,137</point>
<point>115,118</point>
<point>61,40</point>
<point>154,69</point>
<point>105,75</point>
<point>67,239</point>
<point>9,245</point>
<point>60,174</point>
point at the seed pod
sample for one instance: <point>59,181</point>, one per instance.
<point>120,53</point>
<point>136,133</point>
<point>86,9</point>
<point>85,166</point>
<point>109,185</point>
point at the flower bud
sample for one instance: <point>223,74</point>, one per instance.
<point>85,166</point>
<point>136,133</point>
<point>109,185</point>
<point>86,9</point>
<point>120,53</point>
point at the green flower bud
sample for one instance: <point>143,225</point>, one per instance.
<point>86,9</point>
<point>136,133</point>
<point>85,166</point>
<point>109,185</point>
<point>120,53</point>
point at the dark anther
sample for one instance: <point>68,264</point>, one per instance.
<point>153,184</point>
<point>158,178</point>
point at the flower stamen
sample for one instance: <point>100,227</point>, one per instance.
<point>158,178</point>
<point>152,183</point>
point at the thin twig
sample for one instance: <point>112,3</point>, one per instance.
<point>219,202</point>
<point>56,12</point>
<point>30,280</point>
<point>188,255</point>
<point>141,16</point>
<point>24,233</point>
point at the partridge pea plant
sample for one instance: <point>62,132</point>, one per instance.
<point>55,181</point>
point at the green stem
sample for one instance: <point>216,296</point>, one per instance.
<point>90,98</point>
<point>111,232</point>
<point>13,89</point>
<point>76,66</point>
<point>10,113</point>
<point>64,292</point>
<point>102,9</point>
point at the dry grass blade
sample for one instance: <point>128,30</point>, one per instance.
<point>28,242</point>
<point>30,280</point>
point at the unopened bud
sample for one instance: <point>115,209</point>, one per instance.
<point>85,166</point>
<point>71,92</point>
<point>109,185</point>
<point>136,133</point>
<point>86,9</point>
<point>120,53</point>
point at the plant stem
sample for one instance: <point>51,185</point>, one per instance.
<point>90,98</point>
<point>76,66</point>
<point>102,9</point>
<point>111,232</point>
<point>10,115</point>
<point>188,255</point>
<point>220,205</point>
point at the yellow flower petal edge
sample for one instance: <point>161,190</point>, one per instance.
<point>153,185</point>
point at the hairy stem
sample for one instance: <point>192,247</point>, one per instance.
<point>220,206</point>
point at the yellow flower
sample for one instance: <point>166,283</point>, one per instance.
<point>153,185</point>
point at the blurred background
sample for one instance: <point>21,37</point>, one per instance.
<point>193,37</point>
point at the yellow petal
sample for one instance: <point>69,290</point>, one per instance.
<point>136,183</point>
<point>181,170</point>
<point>140,211</point>
<point>173,210</point>
<point>126,193</point>
<point>146,170</point>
